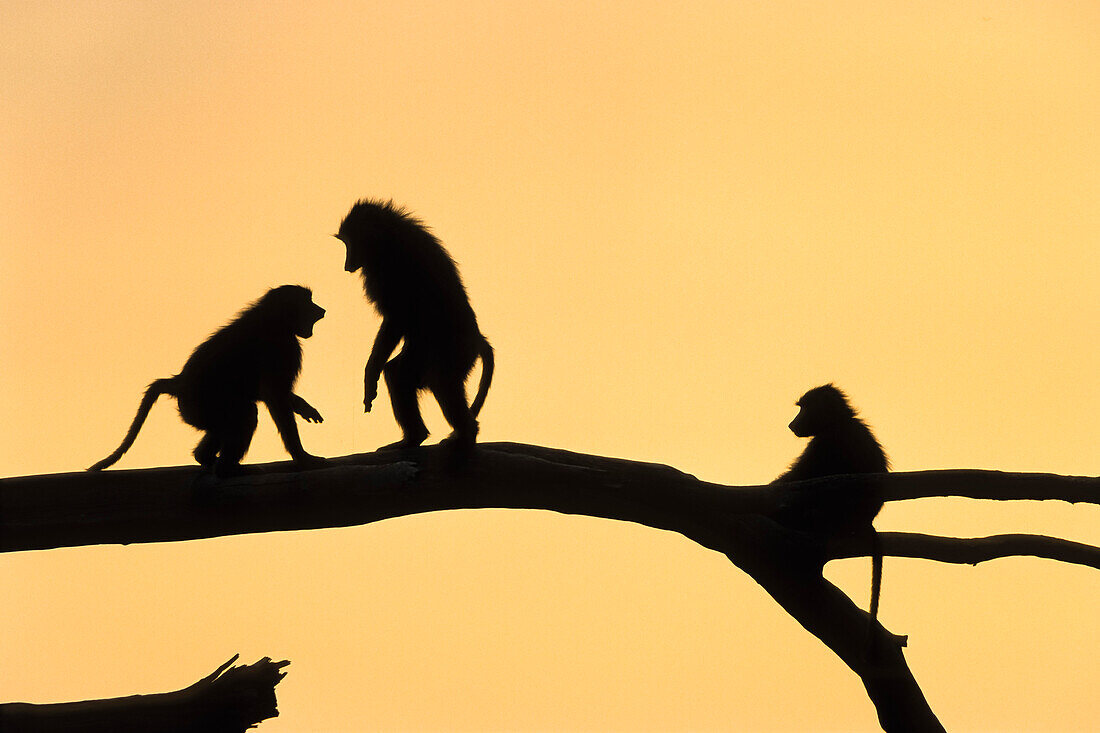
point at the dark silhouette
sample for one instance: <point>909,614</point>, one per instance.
<point>230,700</point>
<point>161,505</point>
<point>840,443</point>
<point>415,286</point>
<point>255,357</point>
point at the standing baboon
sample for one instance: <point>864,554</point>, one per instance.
<point>840,443</point>
<point>255,357</point>
<point>416,289</point>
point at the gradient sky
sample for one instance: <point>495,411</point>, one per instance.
<point>672,219</point>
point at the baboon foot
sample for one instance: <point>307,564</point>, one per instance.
<point>307,461</point>
<point>460,440</point>
<point>228,469</point>
<point>205,455</point>
<point>407,443</point>
<point>458,450</point>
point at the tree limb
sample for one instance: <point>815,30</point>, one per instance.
<point>971,551</point>
<point>168,504</point>
<point>171,504</point>
<point>999,485</point>
<point>229,700</point>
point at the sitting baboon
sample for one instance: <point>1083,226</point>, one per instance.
<point>255,357</point>
<point>840,443</point>
<point>416,289</point>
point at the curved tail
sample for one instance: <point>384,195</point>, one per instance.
<point>876,591</point>
<point>486,354</point>
<point>155,390</point>
<point>876,572</point>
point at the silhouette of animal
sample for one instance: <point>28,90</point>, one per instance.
<point>254,358</point>
<point>415,287</point>
<point>840,443</point>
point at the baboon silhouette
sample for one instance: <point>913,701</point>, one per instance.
<point>417,290</point>
<point>254,358</point>
<point>840,443</point>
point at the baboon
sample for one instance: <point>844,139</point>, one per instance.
<point>840,443</point>
<point>256,357</point>
<point>416,289</point>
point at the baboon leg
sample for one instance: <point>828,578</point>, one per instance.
<point>207,450</point>
<point>236,437</point>
<point>403,380</point>
<point>451,396</point>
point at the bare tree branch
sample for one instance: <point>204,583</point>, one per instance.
<point>229,700</point>
<point>998,485</point>
<point>972,551</point>
<point>964,483</point>
<point>169,504</point>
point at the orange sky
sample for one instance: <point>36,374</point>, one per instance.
<point>672,220</point>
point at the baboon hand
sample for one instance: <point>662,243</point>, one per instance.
<point>369,394</point>
<point>309,414</point>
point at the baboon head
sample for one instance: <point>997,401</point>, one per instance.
<point>292,306</point>
<point>356,249</point>
<point>819,409</point>
<point>364,229</point>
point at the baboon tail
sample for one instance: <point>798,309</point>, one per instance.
<point>876,590</point>
<point>876,573</point>
<point>486,354</point>
<point>155,390</point>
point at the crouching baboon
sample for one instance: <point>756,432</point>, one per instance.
<point>416,289</point>
<point>840,443</point>
<point>254,358</point>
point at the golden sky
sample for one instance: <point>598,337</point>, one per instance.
<point>673,219</point>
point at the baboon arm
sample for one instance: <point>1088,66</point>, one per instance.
<point>384,343</point>
<point>283,417</point>
<point>307,411</point>
<point>389,335</point>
